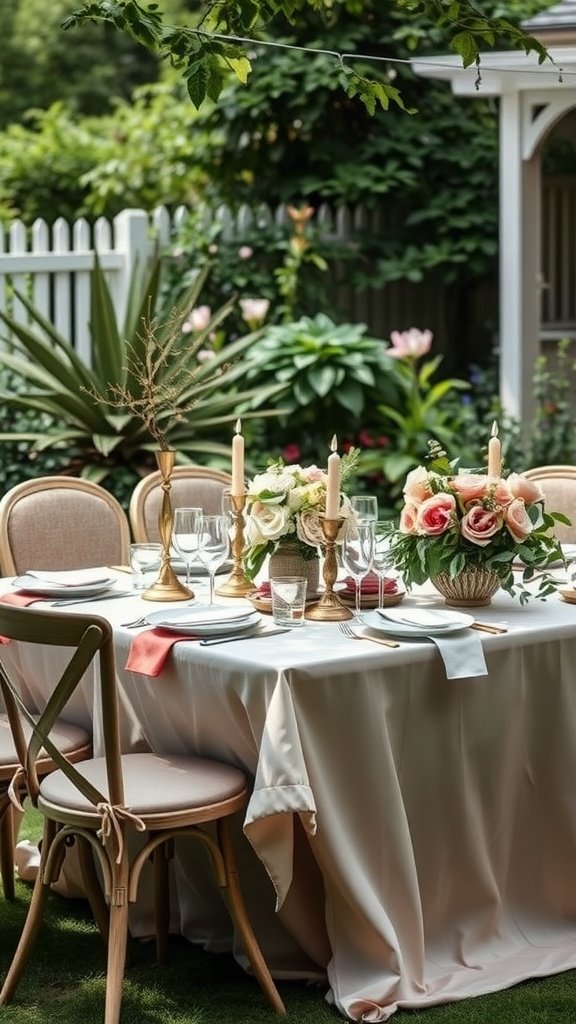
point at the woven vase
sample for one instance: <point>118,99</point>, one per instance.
<point>472,588</point>
<point>289,561</point>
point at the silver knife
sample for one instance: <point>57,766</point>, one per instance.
<point>61,602</point>
<point>245,636</point>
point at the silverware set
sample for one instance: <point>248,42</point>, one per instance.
<point>356,634</point>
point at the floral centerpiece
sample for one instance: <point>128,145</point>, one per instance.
<point>285,505</point>
<point>453,522</point>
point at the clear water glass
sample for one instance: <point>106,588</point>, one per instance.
<point>382,563</point>
<point>357,554</point>
<point>186,530</point>
<point>365,507</point>
<point>214,546</point>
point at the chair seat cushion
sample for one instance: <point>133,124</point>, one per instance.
<point>65,736</point>
<point>152,784</point>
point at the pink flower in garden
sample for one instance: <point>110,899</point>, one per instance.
<point>254,310</point>
<point>198,319</point>
<point>480,524</point>
<point>365,439</point>
<point>517,520</point>
<point>291,453</point>
<point>436,515</point>
<point>245,252</point>
<point>410,344</point>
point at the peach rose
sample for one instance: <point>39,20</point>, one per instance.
<point>517,520</point>
<point>417,487</point>
<point>501,493</point>
<point>521,487</point>
<point>480,524</point>
<point>408,519</point>
<point>435,515</point>
<point>470,486</point>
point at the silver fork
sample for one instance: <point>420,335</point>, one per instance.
<point>142,621</point>
<point>347,630</point>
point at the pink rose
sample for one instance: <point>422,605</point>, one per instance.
<point>470,486</point>
<point>435,515</point>
<point>480,524</point>
<point>417,487</point>
<point>408,519</point>
<point>500,492</point>
<point>521,487</point>
<point>517,520</point>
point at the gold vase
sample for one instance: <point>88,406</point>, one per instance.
<point>167,587</point>
<point>474,587</point>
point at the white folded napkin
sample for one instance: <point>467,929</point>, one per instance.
<point>420,617</point>
<point>70,578</point>
<point>461,653</point>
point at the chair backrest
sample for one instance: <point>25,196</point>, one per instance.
<point>83,637</point>
<point>191,487</point>
<point>559,486</point>
<point>58,522</point>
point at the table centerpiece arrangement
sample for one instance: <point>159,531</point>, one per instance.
<point>285,507</point>
<point>468,531</point>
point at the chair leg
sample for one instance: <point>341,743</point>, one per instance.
<point>93,888</point>
<point>7,851</point>
<point>117,941</point>
<point>242,921</point>
<point>33,920</point>
<point>161,859</point>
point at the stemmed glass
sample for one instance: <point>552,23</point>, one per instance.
<point>214,546</point>
<point>186,530</point>
<point>381,563</point>
<point>365,507</point>
<point>357,555</point>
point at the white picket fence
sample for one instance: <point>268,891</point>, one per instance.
<point>50,265</point>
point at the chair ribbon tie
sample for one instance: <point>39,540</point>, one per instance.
<point>111,815</point>
<point>18,782</point>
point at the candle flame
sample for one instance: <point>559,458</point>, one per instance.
<point>334,444</point>
<point>494,432</point>
<point>238,427</point>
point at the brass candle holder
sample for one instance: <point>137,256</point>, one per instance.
<point>237,584</point>
<point>329,608</point>
<point>167,587</point>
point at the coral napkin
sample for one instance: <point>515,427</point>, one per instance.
<point>369,585</point>
<point>149,650</point>
<point>23,600</point>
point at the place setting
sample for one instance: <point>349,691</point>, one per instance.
<point>62,587</point>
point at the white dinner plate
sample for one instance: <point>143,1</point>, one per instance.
<point>44,588</point>
<point>454,622</point>
<point>205,620</point>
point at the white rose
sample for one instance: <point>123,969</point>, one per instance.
<point>269,520</point>
<point>275,483</point>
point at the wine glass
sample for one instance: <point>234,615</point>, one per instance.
<point>357,554</point>
<point>365,507</point>
<point>381,563</point>
<point>186,529</point>
<point>214,546</point>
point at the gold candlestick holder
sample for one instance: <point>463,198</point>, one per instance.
<point>167,587</point>
<point>329,608</point>
<point>237,584</point>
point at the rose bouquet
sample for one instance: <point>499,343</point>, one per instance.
<point>286,505</point>
<point>453,521</point>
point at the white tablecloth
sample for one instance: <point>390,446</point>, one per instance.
<point>419,833</point>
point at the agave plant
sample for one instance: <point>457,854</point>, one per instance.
<point>89,424</point>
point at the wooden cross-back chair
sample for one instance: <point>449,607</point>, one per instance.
<point>103,798</point>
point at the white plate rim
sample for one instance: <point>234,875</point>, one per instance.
<point>376,621</point>
<point>233,625</point>
<point>35,586</point>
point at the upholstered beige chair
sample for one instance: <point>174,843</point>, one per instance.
<point>103,799</point>
<point>59,522</point>
<point>191,487</point>
<point>559,486</point>
<point>71,739</point>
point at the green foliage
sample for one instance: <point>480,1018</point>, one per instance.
<point>207,61</point>
<point>141,155</point>
<point>553,434</point>
<point>146,382</point>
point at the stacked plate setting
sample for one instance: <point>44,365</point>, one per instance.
<point>206,620</point>
<point>75,583</point>
<point>417,621</point>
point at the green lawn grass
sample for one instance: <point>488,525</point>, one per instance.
<point>64,982</point>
